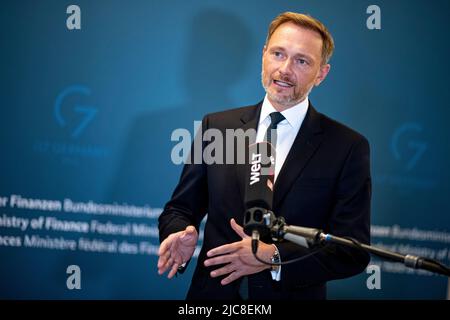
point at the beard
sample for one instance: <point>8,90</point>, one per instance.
<point>284,100</point>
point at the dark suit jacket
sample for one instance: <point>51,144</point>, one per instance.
<point>324,183</point>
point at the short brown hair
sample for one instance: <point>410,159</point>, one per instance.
<point>307,22</point>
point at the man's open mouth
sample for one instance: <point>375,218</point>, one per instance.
<point>283,84</point>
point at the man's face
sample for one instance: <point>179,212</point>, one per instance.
<point>292,65</point>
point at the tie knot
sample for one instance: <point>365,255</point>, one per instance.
<point>276,118</point>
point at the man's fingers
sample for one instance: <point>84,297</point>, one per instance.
<point>171,261</point>
<point>226,258</point>
<point>163,257</point>
<point>166,257</point>
<point>173,271</point>
<point>162,267</point>
<point>232,277</point>
<point>189,235</point>
<point>172,249</point>
<point>173,246</point>
<point>190,229</point>
<point>226,248</point>
<point>163,246</point>
<point>238,229</point>
<point>168,263</point>
<point>221,271</point>
<point>165,266</point>
<point>161,261</point>
<point>168,243</point>
<point>160,264</point>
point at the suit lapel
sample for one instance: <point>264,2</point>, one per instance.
<point>305,144</point>
<point>249,120</point>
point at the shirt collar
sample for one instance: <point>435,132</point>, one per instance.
<point>294,115</point>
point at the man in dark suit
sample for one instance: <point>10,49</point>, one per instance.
<point>321,180</point>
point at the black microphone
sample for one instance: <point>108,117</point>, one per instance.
<point>259,191</point>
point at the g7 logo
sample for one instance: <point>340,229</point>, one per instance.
<point>418,146</point>
<point>88,112</point>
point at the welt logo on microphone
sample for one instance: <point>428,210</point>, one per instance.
<point>262,164</point>
<point>255,168</point>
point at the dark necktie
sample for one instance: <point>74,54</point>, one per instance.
<point>271,137</point>
<point>271,134</point>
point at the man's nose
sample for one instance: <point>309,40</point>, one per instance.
<point>286,67</point>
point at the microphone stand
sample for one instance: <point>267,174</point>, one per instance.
<point>309,236</point>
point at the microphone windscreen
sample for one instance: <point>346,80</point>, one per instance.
<point>259,180</point>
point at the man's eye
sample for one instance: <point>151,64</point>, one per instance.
<point>277,54</point>
<point>302,61</point>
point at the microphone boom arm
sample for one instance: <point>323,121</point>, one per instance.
<point>310,236</point>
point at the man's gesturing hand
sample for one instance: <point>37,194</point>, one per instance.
<point>238,257</point>
<point>176,249</point>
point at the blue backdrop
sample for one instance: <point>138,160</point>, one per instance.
<point>87,116</point>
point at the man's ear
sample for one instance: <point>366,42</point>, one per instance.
<point>322,74</point>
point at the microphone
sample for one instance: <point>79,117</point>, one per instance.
<point>259,191</point>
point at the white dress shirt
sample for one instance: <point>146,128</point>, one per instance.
<point>286,131</point>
